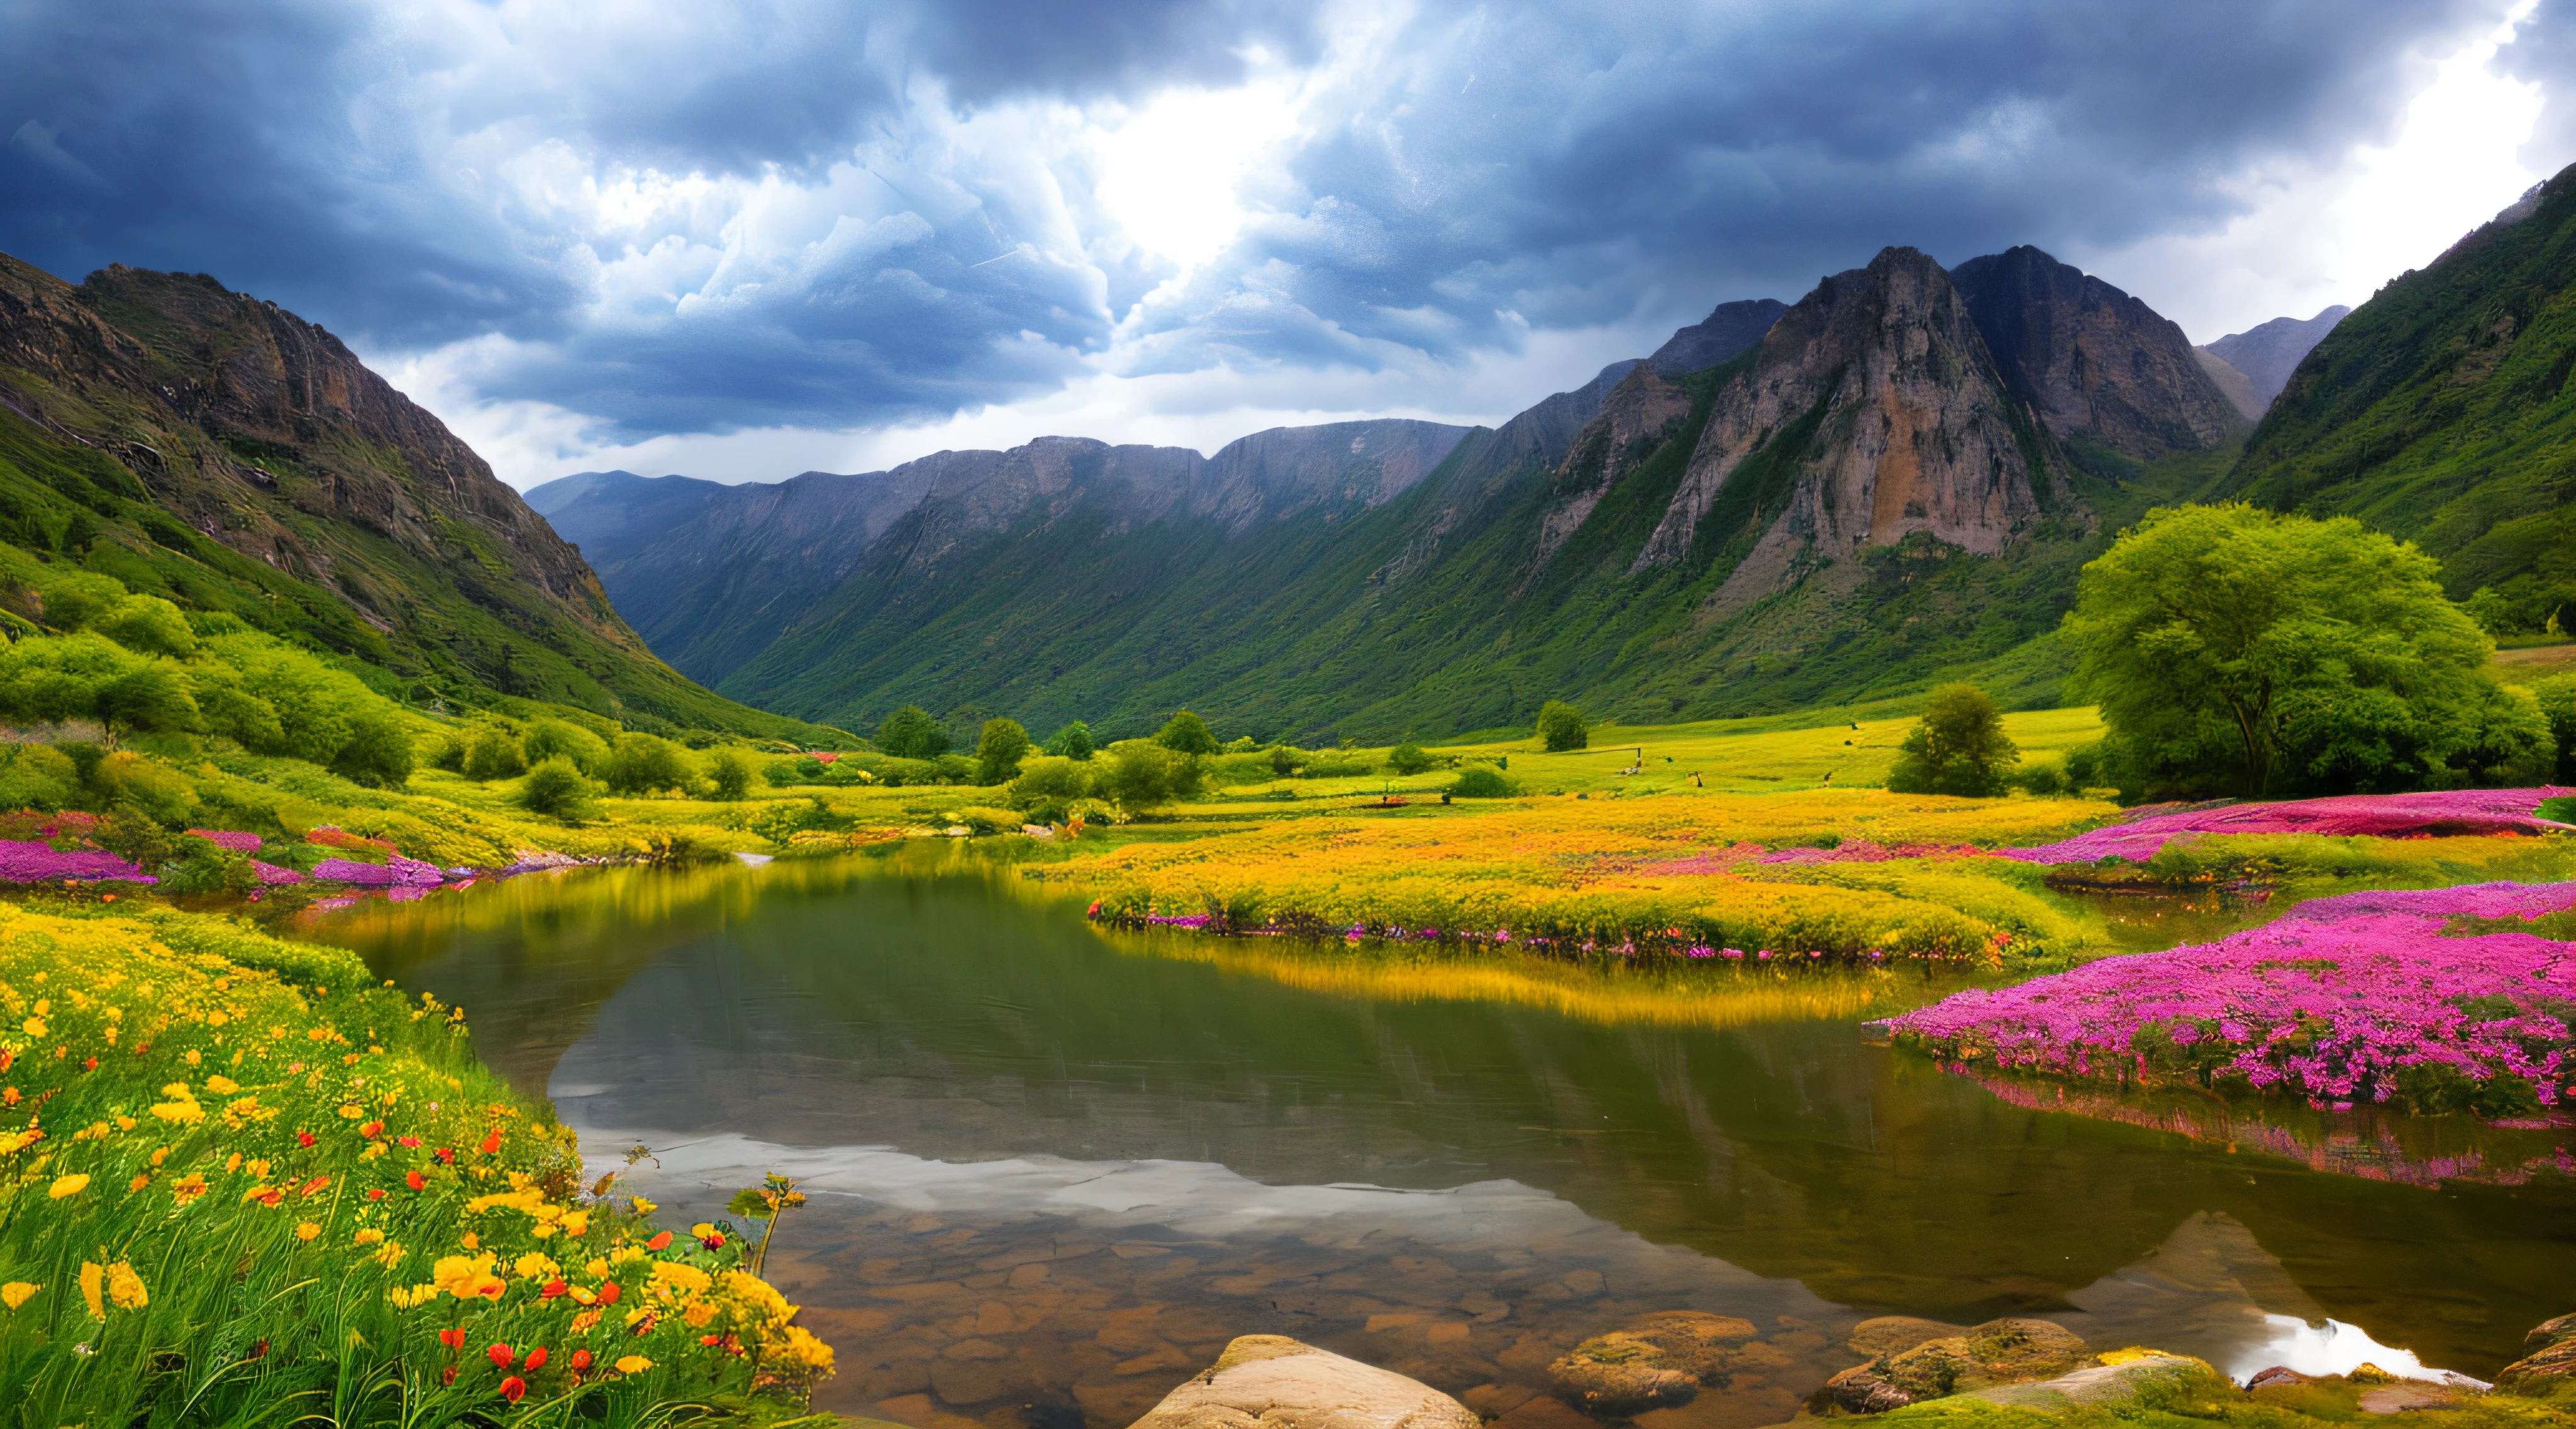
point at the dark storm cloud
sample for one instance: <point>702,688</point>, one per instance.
<point>1571,168</point>
<point>400,173</point>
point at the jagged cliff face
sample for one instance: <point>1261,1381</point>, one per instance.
<point>1729,330</point>
<point>1871,411</point>
<point>2095,365</point>
<point>1634,419</point>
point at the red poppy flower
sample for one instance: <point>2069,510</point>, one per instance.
<point>514,1389</point>
<point>454,1339</point>
<point>659,1242</point>
<point>372,1130</point>
<point>553,1288</point>
<point>304,1138</point>
<point>536,1359</point>
<point>608,1293</point>
<point>501,1355</point>
<point>580,1360</point>
<point>446,1154</point>
<point>415,1180</point>
<point>375,1193</point>
<point>492,1143</point>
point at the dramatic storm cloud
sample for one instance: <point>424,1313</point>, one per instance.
<point>755,236</point>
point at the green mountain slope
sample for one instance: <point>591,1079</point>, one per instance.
<point>2441,411</point>
<point>1855,508</point>
<point>205,446</point>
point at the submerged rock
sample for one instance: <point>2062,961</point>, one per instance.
<point>1894,1334</point>
<point>1656,1362</point>
<point>1998,1352</point>
<point>1275,1382</point>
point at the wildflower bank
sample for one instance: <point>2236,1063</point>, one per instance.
<point>2412,999</point>
<point>1682,876</point>
<point>237,1178</point>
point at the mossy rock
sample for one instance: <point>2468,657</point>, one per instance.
<point>1656,1362</point>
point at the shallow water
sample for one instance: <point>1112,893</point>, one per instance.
<point>1053,1169</point>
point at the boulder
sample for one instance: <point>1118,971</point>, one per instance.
<point>1656,1362</point>
<point>1273,1382</point>
<point>1895,1334</point>
<point>1998,1352</point>
<point>2278,1376</point>
<point>2548,1365</point>
<point>2117,1379</point>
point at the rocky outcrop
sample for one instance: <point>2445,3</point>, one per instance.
<point>1278,1383</point>
<point>1658,1361</point>
<point>2097,366</point>
<point>1340,466</point>
<point>2268,353</point>
<point>1998,1352</point>
<point>1724,334</point>
<point>1632,422</point>
<point>2548,1364</point>
<point>1871,412</point>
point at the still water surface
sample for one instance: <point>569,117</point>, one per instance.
<point>1054,1168</point>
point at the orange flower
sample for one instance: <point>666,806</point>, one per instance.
<point>659,1242</point>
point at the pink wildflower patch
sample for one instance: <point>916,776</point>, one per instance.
<point>2448,812</point>
<point>2341,1000</point>
<point>231,840</point>
<point>41,863</point>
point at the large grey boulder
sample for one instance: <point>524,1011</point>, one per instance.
<point>1274,1382</point>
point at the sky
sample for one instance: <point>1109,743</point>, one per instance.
<point>740,239</point>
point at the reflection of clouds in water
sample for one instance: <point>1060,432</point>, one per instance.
<point>2331,1348</point>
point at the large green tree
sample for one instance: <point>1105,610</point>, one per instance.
<point>1958,748</point>
<point>2235,650</point>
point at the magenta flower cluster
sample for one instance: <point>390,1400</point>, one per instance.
<point>2335,1001</point>
<point>34,862</point>
<point>2452,812</point>
<point>1868,851</point>
<point>231,840</point>
<point>401,872</point>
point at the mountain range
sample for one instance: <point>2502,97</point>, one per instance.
<point>1892,479</point>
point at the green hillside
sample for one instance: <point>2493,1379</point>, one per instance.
<point>1435,613</point>
<point>198,445</point>
<point>2440,411</point>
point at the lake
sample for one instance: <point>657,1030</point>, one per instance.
<point>1053,1168</point>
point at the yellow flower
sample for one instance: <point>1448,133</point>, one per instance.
<point>644,1207</point>
<point>535,1266</point>
<point>125,1288</point>
<point>633,1364</point>
<point>222,1086</point>
<point>17,1293</point>
<point>597,1269</point>
<point>810,1353</point>
<point>351,1111</point>
<point>92,1278</point>
<point>577,1223</point>
<point>467,1277</point>
<point>307,1231</point>
<point>671,1276</point>
<point>71,1185</point>
<point>187,1188</point>
<point>699,1313</point>
<point>370,1236</point>
<point>35,1026</point>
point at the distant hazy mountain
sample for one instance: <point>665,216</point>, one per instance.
<point>2238,387</point>
<point>2441,411</point>
<point>1865,491</point>
<point>2268,354</point>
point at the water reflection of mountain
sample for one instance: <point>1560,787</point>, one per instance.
<point>958,1023</point>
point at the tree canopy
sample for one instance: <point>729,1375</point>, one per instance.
<point>1562,727</point>
<point>2235,650</point>
<point>1958,748</point>
<point>1187,734</point>
<point>999,751</point>
<point>910,733</point>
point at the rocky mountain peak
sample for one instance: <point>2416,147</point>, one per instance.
<point>1872,411</point>
<point>1728,331</point>
<point>2268,353</point>
<point>2095,365</point>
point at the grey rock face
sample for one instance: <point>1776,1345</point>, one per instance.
<point>2238,387</point>
<point>1900,424</point>
<point>1723,334</point>
<point>2093,362</point>
<point>2268,354</point>
<point>1274,1382</point>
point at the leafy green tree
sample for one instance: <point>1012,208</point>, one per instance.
<point>125,778</point>
<point>151,698</point>
<point>378,751</point>
<point>1048,786</point>
<point>910,733</point>
<point>1958,748</point>
<point>730,772</point>
<point>1562,727</point>
<point>2557,697</point>
<point>1140,775</point>
<point>558,789</point>
<point>1285,759</point>
<point>1186,733</point>
<point>548,738</point>
<point>2489,608</point>
<point>999,751</point>
<point>645,764</point>
<point>148,624</point>
<point>1408,758</point>
<point>1074,741</point>
<point>493,751</point>
<point>34,776</point>
<point>2239,651</point>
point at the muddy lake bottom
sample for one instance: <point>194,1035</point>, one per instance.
<point>1053,1169</point>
